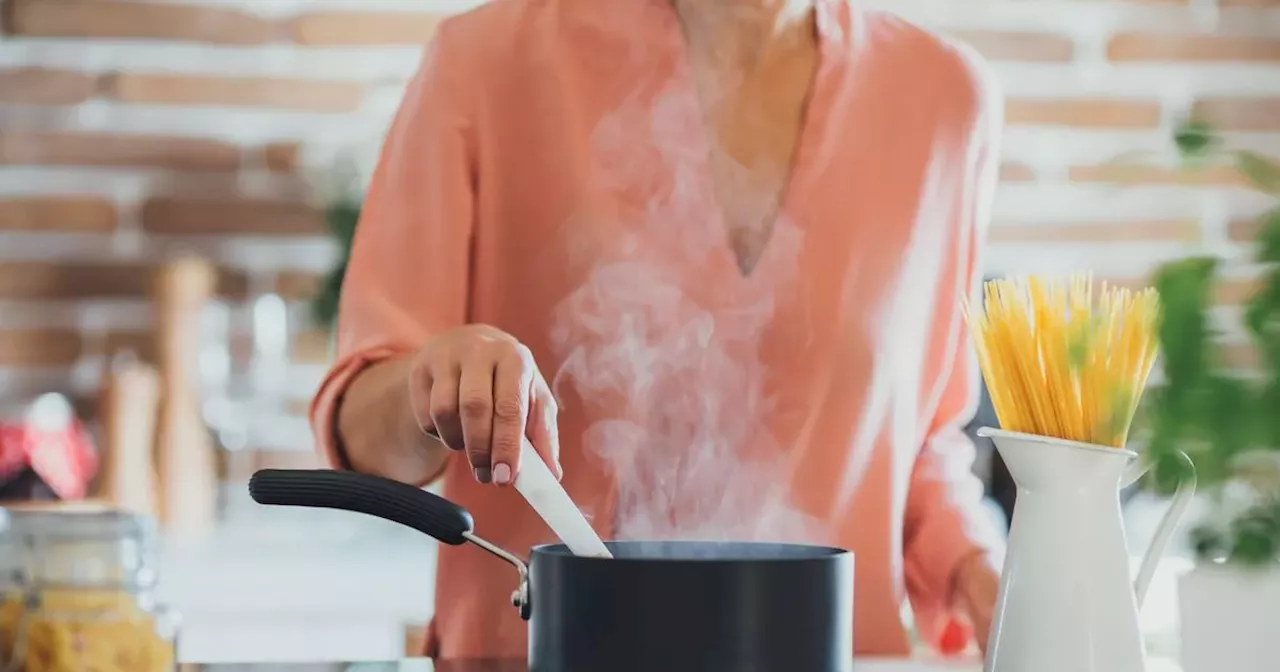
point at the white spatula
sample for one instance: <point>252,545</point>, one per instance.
<point>545,494</point>
<point>539,487</point>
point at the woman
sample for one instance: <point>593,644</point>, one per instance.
<point>735,235</point>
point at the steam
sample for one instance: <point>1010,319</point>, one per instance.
<point>668,363</point>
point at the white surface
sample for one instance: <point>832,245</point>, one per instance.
<point>1066,601</point>
<point>884,665</point>
<point>296,584</point>
<point>1230,619</point>
<point>890,665</point>
<point>876,665</point>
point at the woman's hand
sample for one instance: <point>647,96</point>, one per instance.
<point>479,390</point>
<point>977,581</point>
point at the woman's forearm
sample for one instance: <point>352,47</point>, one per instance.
<point>378,431</point>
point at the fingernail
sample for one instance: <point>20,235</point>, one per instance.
<point>483,475</point>
<point>502,474</point>
<point>559,472</point>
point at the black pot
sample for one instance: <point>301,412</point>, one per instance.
<point>656,606</point>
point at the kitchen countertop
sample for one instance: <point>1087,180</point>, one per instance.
<point>423,665</point>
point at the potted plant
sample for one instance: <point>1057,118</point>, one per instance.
<point>1229,424</point>
<point>341,215</point>
<point>343,200</point>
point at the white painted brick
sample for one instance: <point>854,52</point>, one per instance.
<point>1165,82</point>
<point>1049,146</point>
<point>1060,259</point>
<point>231,124</point>
<point>1064,201</point>
<point>1078,18</point>
<point>119,314</point>
<point>254,254</point>
<point>383,63</point>
<point>25,384</point>
<point>35,246</point>
<point>132,185</point>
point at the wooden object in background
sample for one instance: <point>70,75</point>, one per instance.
<point>128,405</point>
<point>415,639</point>
<point>185,455</point>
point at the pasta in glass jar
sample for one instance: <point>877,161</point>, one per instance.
<point>77,594</point>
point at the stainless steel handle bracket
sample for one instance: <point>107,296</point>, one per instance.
<point>520,598</point>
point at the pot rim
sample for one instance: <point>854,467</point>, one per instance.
<point>813,552</point>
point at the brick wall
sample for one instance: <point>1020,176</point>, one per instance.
<point>129,130</point>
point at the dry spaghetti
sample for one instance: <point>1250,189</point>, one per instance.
<point>82,630</point>
<point>1062,362</point>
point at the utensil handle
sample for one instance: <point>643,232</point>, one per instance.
<point>1181,499</point>
<point>361,493</point>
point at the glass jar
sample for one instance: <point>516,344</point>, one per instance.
<point>77,593</point>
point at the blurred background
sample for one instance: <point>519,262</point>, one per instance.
<point>178,179</point>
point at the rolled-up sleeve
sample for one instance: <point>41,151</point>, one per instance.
<point>945,521</point>
<point>407,276</point>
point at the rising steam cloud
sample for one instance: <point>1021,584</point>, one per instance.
<point>672,367</point>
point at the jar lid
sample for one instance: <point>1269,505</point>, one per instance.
<point>76,546</point>
<point>75,522</point>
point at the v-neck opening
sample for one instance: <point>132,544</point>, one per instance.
<point>786,195</point>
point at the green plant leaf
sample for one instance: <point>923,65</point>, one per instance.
<point>1208,543</point>
<point>342,217</point>
<point>1229,402</point>
<point>1256,535</point>
<point>1263,172</point>
<point>1268,402</point>
<point>1268,238</point>
<point>1217,418</point>
<point>1195,139</point>
<point>324,307</point>
<point>1185,288</point>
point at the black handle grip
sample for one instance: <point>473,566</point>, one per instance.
<point>362,493</point>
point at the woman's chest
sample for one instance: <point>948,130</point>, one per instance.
<point>622,205</point>
<point>600,203</point>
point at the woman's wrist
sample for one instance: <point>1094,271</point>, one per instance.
<point>379,430</point>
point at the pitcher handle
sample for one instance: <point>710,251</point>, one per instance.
<point>1168,524</point>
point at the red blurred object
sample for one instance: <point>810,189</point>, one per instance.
<point>51,443</point>
<point>954,639</point>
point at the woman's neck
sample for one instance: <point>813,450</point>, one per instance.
<point>743,32</point>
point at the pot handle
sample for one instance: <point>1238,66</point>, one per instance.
<point>383,498</point>
<point>1181,499</point>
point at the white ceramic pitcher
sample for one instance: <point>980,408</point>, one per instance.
<point>1066,601</point>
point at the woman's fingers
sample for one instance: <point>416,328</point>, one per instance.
<point>542,428</point>
<point>479,390</point>
<point>511,381</point>
<point>444,404</point>
<point>420,398</point>
<point>475,405</point>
